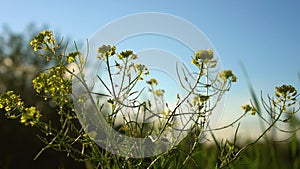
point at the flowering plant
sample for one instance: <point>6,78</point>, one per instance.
<point>55,84</point>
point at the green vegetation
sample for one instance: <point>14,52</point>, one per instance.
<point>63,133</point>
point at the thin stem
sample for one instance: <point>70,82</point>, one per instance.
<point>110,76</point>
<point>123,77</point>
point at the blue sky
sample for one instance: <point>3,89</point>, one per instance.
<point>263,35</point>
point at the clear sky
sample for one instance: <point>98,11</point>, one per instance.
<point>263,35</point>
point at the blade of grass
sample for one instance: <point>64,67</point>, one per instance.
<point>251,90</point>
<point>253,96</point>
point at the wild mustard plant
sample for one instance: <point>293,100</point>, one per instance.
<point>280,109</point>
<point>204,90</point>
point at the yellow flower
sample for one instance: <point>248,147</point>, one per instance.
<point>140,78</point>
<point>227,74</point>
<point>246,108</point>
<point>7,108</point>
<point>253,111</point>
<point>125,54</point>
<point>105,51</point>
<point>204,55</point>
<point>195,62</point>
<point>23,119</point>
<point>152,81</point>
<point>30,116</point>
<point>140,68</point>
<point>133,56</point>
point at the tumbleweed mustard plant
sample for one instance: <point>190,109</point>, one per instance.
<point>204,89</point>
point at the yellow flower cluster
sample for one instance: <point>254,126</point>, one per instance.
<point>106,51</point>
<point>286,92</point>
<point>152,81</point>
<point>286,96</point>
<point>30,115</point>
<point>248,108</point>
<point>125,54</point>
<point>140,69</point>
<point>71,56</point>
<point>43,40</point>
<point>202,56</point>
<point>12,102</point>
<point>227,75</point>
<point>53,83</point>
